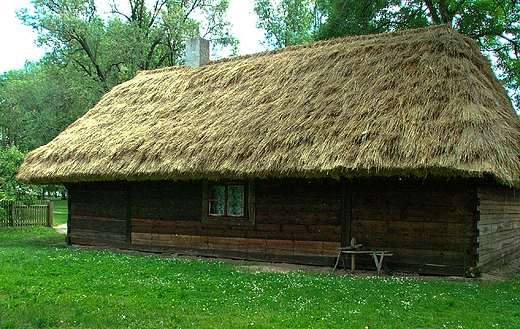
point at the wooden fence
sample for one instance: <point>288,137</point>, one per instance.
<point>21,214</point>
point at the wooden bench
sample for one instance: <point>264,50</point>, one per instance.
<point>355,249</point>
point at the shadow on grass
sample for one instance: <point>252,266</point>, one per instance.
<point>33,236</point>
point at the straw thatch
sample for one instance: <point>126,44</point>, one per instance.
<point>419,102</point>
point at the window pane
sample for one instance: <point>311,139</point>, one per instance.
<point>236,192</point>
<point>217,192</point>
<point>216,208</point>
<point>236,208</point>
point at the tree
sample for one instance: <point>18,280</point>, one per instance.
<point>495,24</point>
<point>165,28</point>
<point>111,51</point>
<point>37,103</point>
<point>290,22</point>
<point>10,188</point>
<point>344,17</point>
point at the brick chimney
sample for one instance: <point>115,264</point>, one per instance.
<point>197,51</point>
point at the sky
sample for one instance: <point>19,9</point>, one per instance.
<point>17,41</point>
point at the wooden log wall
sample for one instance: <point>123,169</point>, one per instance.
<point>293,218</point>
<point>173,203</point>
<point>293,209</point>
<point>499,226</point>
<point>430,225</point>
<point>97,214</point>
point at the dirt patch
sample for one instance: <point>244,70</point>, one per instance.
<point>62,229</point>
<point>505,272</point>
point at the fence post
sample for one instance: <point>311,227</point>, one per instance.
<point>50,213</point>
<point>13,205</point>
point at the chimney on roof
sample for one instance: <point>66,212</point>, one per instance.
<point>197,52</point>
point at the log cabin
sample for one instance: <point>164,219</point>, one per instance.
<point>406,141</point>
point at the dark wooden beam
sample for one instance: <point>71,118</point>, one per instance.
<point>128,213</point>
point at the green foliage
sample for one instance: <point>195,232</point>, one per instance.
<point>47,285</point>
<point>38,102</point>
<point>55,191</point>
<point>10,188</point>
<point>356,17</point>
<point>289,22</point>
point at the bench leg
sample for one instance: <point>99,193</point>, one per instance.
<point>340,255</point>
<point>379,262</point>
<point>337,261</point>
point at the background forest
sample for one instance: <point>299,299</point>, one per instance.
<point>91,51</point>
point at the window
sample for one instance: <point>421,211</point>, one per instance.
<point>227,201</point>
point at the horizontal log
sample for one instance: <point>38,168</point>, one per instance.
<point>164,226</point>
<point>425,256</point>
<point>501,247</point>
<point>271,216</point>
<point>509,255</point>
<point>268,227</point>
<point>498,193</point>
<point>96,242</point>
<point>235,233</point>
<point>493,239</point>
<point>497,218</point>
<point>142,225</point>
<point>292,205</point>
<point>296,188</point>
<point>498,228</point>
<point>95,238</point>
<point>316,247</point>
<point>372,240</point>
<point>100,196</point>
<point>230,243</point>
<point>255,245</point>
<point>329,231</point>
<point>414,227</point>
<point>199,241</point>
<point>169,214</point>
<point>418,215</point>
<point>499,209</point>
<point>491,262</point>
<point>262,235</point>
<point>112,210</point>
<point>161,239</point>
<point>97,224</point>
<point>492,203</point>
<point>487,258</point>
<point>141,238</point>
<point>293,247</point>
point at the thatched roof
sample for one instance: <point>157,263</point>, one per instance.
<point>419,102</point>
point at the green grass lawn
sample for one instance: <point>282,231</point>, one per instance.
<point>47,285</point>
<point>61,211</point>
